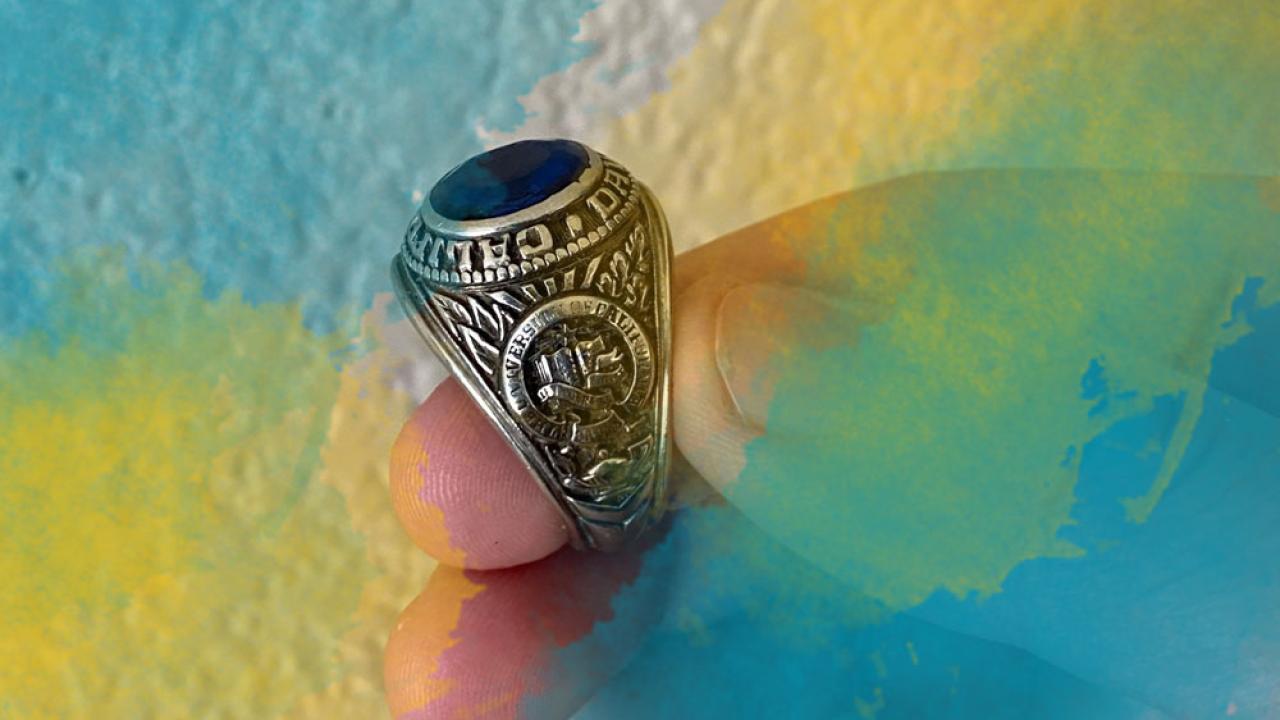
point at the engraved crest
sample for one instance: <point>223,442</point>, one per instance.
<point>577,373</point>
<point>579,376</point>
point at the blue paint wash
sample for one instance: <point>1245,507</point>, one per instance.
<point>273,146</point>
<point>753,630</point>
<point>1175,611</point>
<point>1198,578</point>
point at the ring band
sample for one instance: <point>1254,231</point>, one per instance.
<point>539,272</point>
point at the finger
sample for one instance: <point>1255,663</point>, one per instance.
<point>458,487</point>
<point>461,492</point>
<point>910,405</point>
<point>708,428</point>
<point>467,500</point>
<point>745,305</point>
<point>531,641</point>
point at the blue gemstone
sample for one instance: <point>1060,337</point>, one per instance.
<point>506,179</point>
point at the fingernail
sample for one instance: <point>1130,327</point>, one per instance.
<point>766,331</point>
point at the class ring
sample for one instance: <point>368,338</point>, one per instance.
<point>539,273</point>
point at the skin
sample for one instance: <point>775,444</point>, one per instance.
<point>474,643</point>
<point>466,499</point>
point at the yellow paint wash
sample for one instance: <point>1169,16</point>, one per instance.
<point>782,103</point>
<point>167,552</point>
<point>363,426</point>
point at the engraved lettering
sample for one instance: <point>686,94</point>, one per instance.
<point>618,180</point>
<point>435,250</point>
<point>417,236</point>
<point>533,240</point>
<point>604,201</point>
<point>459,252</point>
<point>573,224</point>
<point>493,252</point>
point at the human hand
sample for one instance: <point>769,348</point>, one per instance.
<point>966,444</point>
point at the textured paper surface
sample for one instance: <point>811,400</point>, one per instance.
<point>201,371</point>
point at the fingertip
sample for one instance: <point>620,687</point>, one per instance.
<point>462,493</point>
<point>524,641</point>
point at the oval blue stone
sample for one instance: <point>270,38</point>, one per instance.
<point>506,179</point>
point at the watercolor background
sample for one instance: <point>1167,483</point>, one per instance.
<point>202,372</point>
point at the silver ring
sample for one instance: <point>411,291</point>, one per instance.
<point>539,273</point>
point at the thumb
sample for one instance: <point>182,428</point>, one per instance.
<point>735,338</point>
<point>747,307</point>
<point>912,385</point>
